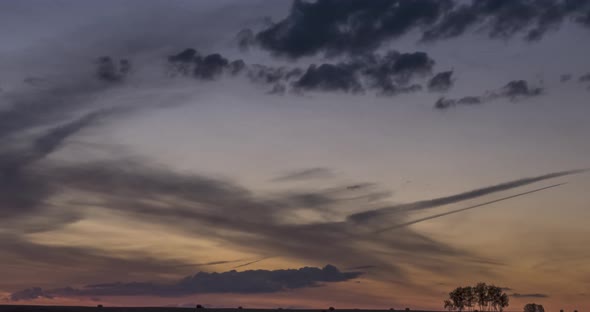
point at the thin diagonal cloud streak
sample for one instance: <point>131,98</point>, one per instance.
<point>441,201</point>
<point>466,208</point>
<point>251,262</point>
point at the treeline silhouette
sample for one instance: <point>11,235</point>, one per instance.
<point>485,298</point>
<point>482,296</point>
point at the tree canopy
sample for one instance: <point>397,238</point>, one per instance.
<point>481,296</point>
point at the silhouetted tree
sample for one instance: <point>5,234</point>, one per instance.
<point>331,309</point>
<point>480,292</point>
<point>199,306</point>
<point>497,298</point>
<point>449,305</point>
<point>533,307</point>
<point>486,297</point>
<point>462,298</point>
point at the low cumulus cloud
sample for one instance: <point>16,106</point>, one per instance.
<point>29,294</point>
<point>357,26</point>
<point>514,90</point>
<point>244,282</point>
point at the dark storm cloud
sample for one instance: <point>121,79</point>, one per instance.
<point>389,74</point>
<point>441,82</point>
<point>345,26</point>
<point>358,26</point>
<point>519,88</point>
<point>190,62</point>
<point>306,174</point>
<point>330,77</point>
<point>269,74</point>
<point>245,282</point>
<point>209,67</point>
<point>513,91</point>
<point>517,295</point>
<point>505,19</point>
<point>584,78</point>
<point>443,103</point>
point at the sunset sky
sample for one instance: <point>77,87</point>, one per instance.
<point>271,153</point>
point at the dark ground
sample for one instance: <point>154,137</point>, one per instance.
<point>38,308</point>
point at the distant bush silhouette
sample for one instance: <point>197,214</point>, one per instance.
<point>99,306</point>
<point>331,309</point>
<point>485,297</point>
<point>199,306</point>
<point>533,307</point>
<point>240,307</point>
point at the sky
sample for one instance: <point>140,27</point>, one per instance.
<point>294,154</point>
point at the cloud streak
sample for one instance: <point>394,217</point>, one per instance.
<point>465,209</point>
<point>441,201</point>
<point>517,295</point>
<point>305,174</point>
